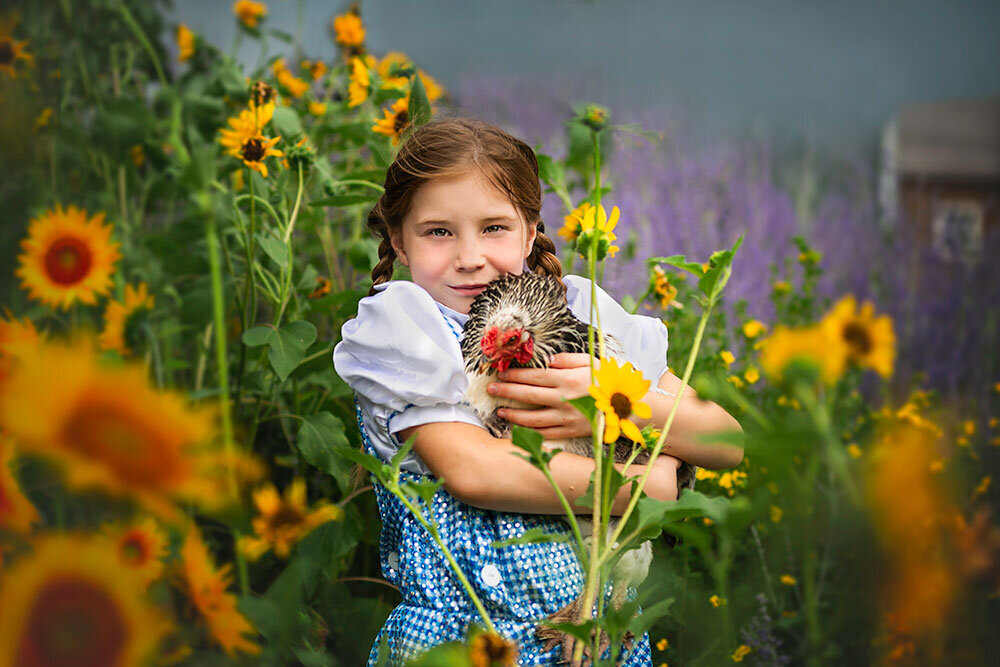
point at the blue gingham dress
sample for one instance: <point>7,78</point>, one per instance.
<point>520,584</point>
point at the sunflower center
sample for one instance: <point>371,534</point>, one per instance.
<point>253,150</point>
<point>134,551</point>
<point>402,119</point>
<point>68,261</point>
<point>73,622</point>
<point>114,438</point>
<point>621,404</point>
<point>286,516</point>
<point>858,339</point>
<point>6,52</point>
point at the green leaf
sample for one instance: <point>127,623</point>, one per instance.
<point>320,436</point>
<point>451,654</point>
<point>372,464</point>
<point>636,129</point>
<point>345,200</point>
<point>257,336</point>
<point>423,489</point>
<point>420,107</point>
<point>534,535</point>
<point>551,172</point>
<point>680,261</point>
<point>274,248</point>
<point>363,254</point>
<point>531,441</point>
<point>288,345</point>
<point>586,405</point>
<point>286,122</point>
<point>402,452</point>
<point>641,623</point>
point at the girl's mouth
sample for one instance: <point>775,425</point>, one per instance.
<point>468,290</point>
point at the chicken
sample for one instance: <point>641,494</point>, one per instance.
<point>522,321</point>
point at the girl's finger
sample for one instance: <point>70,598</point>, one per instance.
<point>569,360</point>
<point>540,377</point>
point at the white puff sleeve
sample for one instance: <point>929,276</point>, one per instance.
<point>402,358</point>
<point>643,338</point>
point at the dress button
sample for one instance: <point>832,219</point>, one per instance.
<point>393,560</point>
<point>490,575</point>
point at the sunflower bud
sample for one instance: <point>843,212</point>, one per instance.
<point>595,117</point>
<point>261,93</point>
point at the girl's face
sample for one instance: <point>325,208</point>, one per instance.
<point>460,234</point>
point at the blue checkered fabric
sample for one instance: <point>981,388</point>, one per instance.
<point>519,585</point>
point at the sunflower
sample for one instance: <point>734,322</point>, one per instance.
<point>67,257</point>
<point>116,315</point>
<point>295,86</point>
<point>317,108</point>
<point>139,548</point>
<point>360,81</point>
<point>281,522</point>
<point>661,287</point>
<point>16,337</point>
<point>322,288</point>
<point>813,345</point>
<point>396,120</point>
<point>109,429</point>
<point>316,68</point>
<point>753,328</point>
<point>870,340</point>
<point>596,221</point>
<point>571,223</point>
<point>246,125</point>
<point>10,50</point>
<point>349,29</point>
<point>16,511</point>
<point>185,43</point>
<point>433,89</point>
<point>205,586</point>
<point>249,13</point>
<point>69,604</point>
<point>617,394</point>
<point>395,69</point>
<point>488,649</point>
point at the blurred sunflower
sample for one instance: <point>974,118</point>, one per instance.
<point>139,548</point>
<point>317,108</point>
<point>395,69</point>
<point>185,43</point>
<point>348,28</point>
<point>68,603</point>
<point>205,586</point>
<point>396,120</point>
<point>870,340</point>
<point>316,68</point>
<point>281,522</point>
<point>489,649</point>
<point>617,393</point>
<point>571,223</point>
<point>109,429</point>
<point>813,345</point>
<point>16,511</point>
<point>67,258</point>
<point>16,337</point>
<point>662,289</point>
<point>11,50</point>
<point>295,86</point>
<point>360,81</point>
<point>249,13</point>
<point>245,141</point>
<point>596,221</point>
<point>116,318</point>
<point>753,328</point>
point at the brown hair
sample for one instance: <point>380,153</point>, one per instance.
<point>448,147</point>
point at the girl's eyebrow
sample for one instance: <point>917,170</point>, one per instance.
<point>493,218</point>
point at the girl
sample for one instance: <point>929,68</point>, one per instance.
<point>461,207</point>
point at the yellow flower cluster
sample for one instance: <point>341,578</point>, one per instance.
<point>348,29</point>
<point>249,13</point>
<point>295,86</point>
<point>730,480</point>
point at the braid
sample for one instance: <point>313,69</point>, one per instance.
<point>543,258</point>
<point>382,272</point>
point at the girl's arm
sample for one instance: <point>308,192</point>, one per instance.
<point>569,377</point>
<point>482,471</point>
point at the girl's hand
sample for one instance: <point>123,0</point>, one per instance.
<point>568,376</point>
<point>665,467</point>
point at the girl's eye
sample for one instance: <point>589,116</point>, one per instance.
<point>495,228</point>
<point>438,231</point>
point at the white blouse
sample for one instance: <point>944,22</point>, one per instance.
<point>401,356</point>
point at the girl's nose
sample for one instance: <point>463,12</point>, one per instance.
<point>470,256</point>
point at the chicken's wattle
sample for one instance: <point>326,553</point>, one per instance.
<point>504,347</point>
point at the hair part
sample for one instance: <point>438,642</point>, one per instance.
<point>450,146</point>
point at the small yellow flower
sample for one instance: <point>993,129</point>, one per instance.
<point>295,86</point>
<point>782,287</point>
<point>995,442</point>
<point>117,314</point>
<point>596,221</point>
<point>617,393</point>
<point>727,357</point>
<point>962,441</point>
<point>348,29</point>
<point>11,50</point>
<point>138,155</point>
<point>395,121</point>
<point>751,375</point>
<point>705,473</point>
<point>993,422</point>
<point>665,292</point>
<point>996,387</point>
<point>735,381</point>
<point>717,601</point>
<point>983,487</point>
<point>741,652</point>
<point>317,108</point>
<point>284,520</point>
<point>753,328</point>
<point>854,451</point>
<point>249,13</point>
<point>571,223</point>
<point>43,119</point>
<point>776,513</point>
<point>969,426</point>
<point>788,580</point>
<point>662,644</point>
<point>316,68</point>
<point>360,81</point>
<point>707,521</point>
<point>185,43</point>
<point>936,466</point>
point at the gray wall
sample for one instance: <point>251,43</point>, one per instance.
<point>834,72</point>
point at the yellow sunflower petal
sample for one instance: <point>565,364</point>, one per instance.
<point>632,431</point>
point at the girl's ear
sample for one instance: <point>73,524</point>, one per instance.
<point>529,242</point>
<point>396,239</point>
